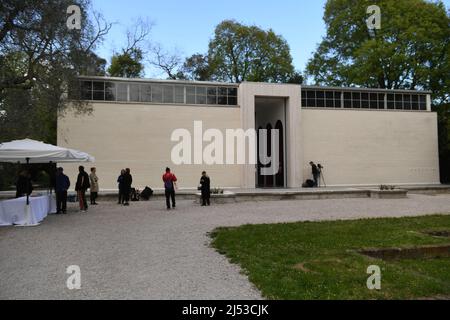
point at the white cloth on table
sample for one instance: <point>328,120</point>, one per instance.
<point>13,212</point>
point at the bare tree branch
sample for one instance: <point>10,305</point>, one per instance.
<point>102,30</point>
<point>138,34</point>
<point>169,62</point>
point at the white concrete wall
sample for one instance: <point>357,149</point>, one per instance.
<point>357,147</point>
<point>360,147</point>
<point>138,136</point>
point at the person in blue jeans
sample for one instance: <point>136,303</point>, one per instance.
<point>61,186</point>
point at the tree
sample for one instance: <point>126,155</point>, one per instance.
<point>196,68</point>
<point>236,53</point>
<point>38,30</point>
<point>240,53</point>
<point>410,51</point>
<point>40,59</point>
<point>412,43</point>
<point>168,62</point>
<point>129,63</point>
<point>296,78</point>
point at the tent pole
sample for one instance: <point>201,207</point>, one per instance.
<point>51,178</point>
<point>28,194</point>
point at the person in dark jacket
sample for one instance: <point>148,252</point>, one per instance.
<point>127,182</point>
<point>81,187</point>
<point>23,185</point>
<point>121,186</point>
<point>315,173</point>
<point>205,187</point>
<point>61,186</point>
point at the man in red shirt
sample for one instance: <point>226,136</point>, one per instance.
<point>169,185</point>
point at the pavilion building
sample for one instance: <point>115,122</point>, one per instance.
<point>361,136</point>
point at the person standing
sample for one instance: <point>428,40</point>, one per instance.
<point>61,186</point>
<point>94,186</point>
<point>170,181</point>
<point>23,185</point>
<point>81,187</point>
<point>127,182</point>
<point>121,186</point>
<point>205,187</point>
<point>315,173</point>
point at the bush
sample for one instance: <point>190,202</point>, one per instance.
<point>387,188</point>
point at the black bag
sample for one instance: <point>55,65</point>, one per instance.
<point>146,194</point>
<point>308,184</point>
<point>135,195</point>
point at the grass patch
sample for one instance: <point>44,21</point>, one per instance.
<point>320,260</point>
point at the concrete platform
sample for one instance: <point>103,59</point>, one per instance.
<point>244,195</point>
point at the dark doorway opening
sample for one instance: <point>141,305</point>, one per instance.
<point>271,115</point>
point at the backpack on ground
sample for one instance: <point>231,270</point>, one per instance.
<point>135,195</point>
<point>146,194</point>
<point>308,184</point>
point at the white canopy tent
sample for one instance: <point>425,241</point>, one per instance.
<point>30,151</point>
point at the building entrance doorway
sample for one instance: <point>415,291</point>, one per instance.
<point>270,114</point>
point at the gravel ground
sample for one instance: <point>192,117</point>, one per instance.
<point>145,252</point>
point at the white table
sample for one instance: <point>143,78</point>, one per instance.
<point>13,212</point>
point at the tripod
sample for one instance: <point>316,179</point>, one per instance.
<point>322,178</point>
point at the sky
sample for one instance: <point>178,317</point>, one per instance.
<point>187,25</point>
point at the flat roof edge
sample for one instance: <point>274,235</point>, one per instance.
<point>236,85</point>
<point>148,80</point>
<point>364,89</point>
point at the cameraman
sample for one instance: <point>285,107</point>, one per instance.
<point>315,173</point>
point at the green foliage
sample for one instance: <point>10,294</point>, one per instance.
<point>42,179</point>
<point>40,58</point>
<point>8,176</point>
<point>407,52</point>
<point>127,65</point>
<point>240,53</point>
<point>320,260</point>
<point>387,188</point>
<point>196,68</point>
<point>295,78</point>
<point>217,191</point>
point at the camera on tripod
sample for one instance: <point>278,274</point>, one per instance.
<point>321,177</point>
